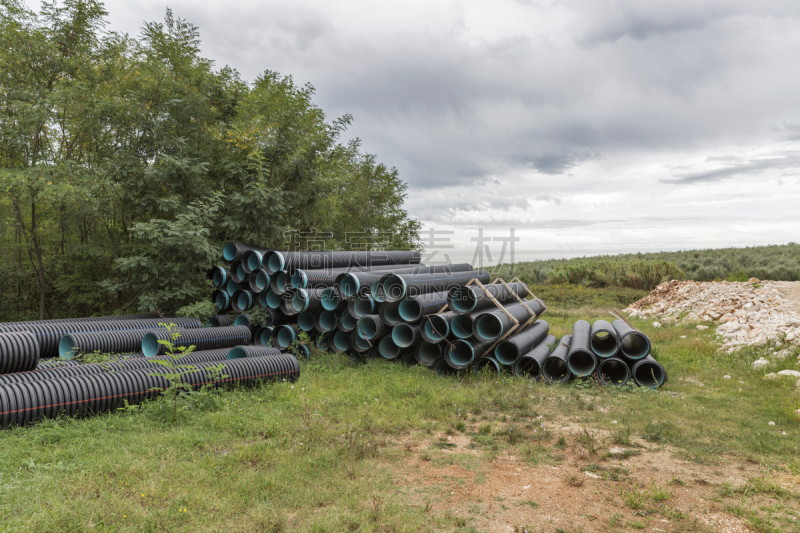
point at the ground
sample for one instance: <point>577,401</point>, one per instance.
<point>383,447</point>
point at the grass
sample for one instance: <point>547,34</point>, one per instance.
<point>325,454</point>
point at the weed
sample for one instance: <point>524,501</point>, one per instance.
<point>615,519</point>
<point>561,443</point>
<point>529,503</point>
<point>659,494</point>
<point>633,498</point>
<point>621,436</point>
<point>485,429</point>
<point>461,426</point>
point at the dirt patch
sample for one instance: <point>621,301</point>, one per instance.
<point>652,490</point>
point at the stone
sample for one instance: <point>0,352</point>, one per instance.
<point>700,327</point>
<point>656,324</point>
<point>790,373</point>
<point>726,376</point>
<point>760,363</point>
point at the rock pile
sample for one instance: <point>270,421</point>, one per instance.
<point>748,313</point>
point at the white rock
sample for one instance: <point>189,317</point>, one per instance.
<point>771,375</point>
<point>656,324</point>
<point>726,377</point>
<point>760,363</point>
<point>702,327</point>
<point>772,423</point>
<point>790,373</point>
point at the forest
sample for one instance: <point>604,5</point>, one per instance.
<point>127,162</point>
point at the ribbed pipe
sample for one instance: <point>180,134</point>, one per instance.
<point>19,352</point>
<point>647,372</point>
<point>219,321</point>
<point>404,285</point>
<point>238,274</point>
<point>461,353</point>
<point>242,352</point>
<point>486,362</point>
<point>529,365</point>
<point>325,321</point>
<point>442,368</point>
<point>555,369</point>
<point>220,276</point>
<point>580,360</point>
<point>222,300</point>
<point>339,342</point>
<point>330,299</point>
<point>283,336</point>
<point>291,261</point>
<point>306,321</point>
<point>353,283</point>
<point>346,322</point>
<point>320,278</point>
<point>124,342</point>
<point>359,343</point>
<point>427,353</point>
<point>406,335</point>
<point>371,327</point>
<point>108,318</point>
<point>390,313</point>
<point>201,339</point>
<point>279,282</point>
<point>361,306</point>
<point>436,328</point>
<point>388,349</point>
<point>242,300</point>
<point>258,281</point>
<point>414,308</point>
<point>234,251</point>
<point>510,349</point>
<point>263,336</point>
<point>232,286</point>
<point>471,298</point>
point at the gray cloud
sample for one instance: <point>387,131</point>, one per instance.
<point>745,168</point>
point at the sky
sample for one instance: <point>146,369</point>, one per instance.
<point>585,127</point>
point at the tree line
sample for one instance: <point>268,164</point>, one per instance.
<point>125,163</point>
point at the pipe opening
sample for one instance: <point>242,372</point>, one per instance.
<point>528,367</point>
<point>436,328</point>
<point>581,363</point>
<point>329,299</point>
<point>463,300</point>
<point>349,285</point>
<point>323,341</point>
<point>649,375</point>
<point>635,345</point>
<point>66,347</point>
<point>348,321</point>
<point>229,251</point>
<point>410,310</point>
<point>284,337</point>
<point>241,273</point>
<point>387,348</point>
<point>488,327</point>
<point>245,300</point>
<point>236,353</point>
<point>280,280</point>
<point>461,353</point>
<point>150,345</point>
<point>275,262</point>
<point>367,328</point>
<point>604,344</point>
<point>266,336</point>
<point>363,306</point>
<point>555,370</point>
<point>241,320</point>
<point>304,351</point>
<point>442,369</point>
<point>305,321</point>
<point>613,372</point>
<point>261,279</point>
<point>223,300</point>
<point>361,344</point>
<point>299,279</point>
<point>273,299</point>
<point>300,301</point>
<point>254,260</point>
<point>220,277</point>
<point>341,341</point>
<point>232,287</point>
<point>403,335</point>
<point>391,313</point>
<point>327,320</point>
<point>428,353</point>
<point>394,288</point>
<point>461,326</point>
<point>506,353</point>
<point>376,290</point>
<point>485,364</point>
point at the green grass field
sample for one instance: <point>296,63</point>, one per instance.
<point>383,447</point>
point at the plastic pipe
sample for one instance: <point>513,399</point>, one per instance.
<point>461,353</point>
<point>510,349</point>
<point>283,336</point>
<point>468,299</point>
<point>580,359</point>
<point>406,335</point>
<point>486,362</point>
<point>414,308</point>
<point>371,327</point>
<point>633,343</point>
<point>494,323</point>
<point>436,328</point>
<point>604,341</point>
<point>530,364</point>
<point>402,285</point>
<point>613,371</point>
<point>555,369</point>
<point>427,353</point>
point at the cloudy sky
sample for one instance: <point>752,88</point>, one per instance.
<point>586,126</point>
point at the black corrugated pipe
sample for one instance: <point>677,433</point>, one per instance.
<point>492,325</point>
<point>349,284</point>
<point>242,300</point>
<point>219,321</point>
<point>285,335</point>
<point>325,321</point>
<point>331,301</point>
<point>245,320</point>
<point>306,320</point>
<point>390,313</point>
<point>604,341</point>
<point>346,322</point>
<point>19,352</point>
<point>240,352</point>
<point>237,272</point>
<point>135,363</point>
<point>340,341</point>
<point>252,260</point>
<point>24,403</point>
<point>529,365</point>
<point>275,317</point>
<point>322,340</point>
<point>468,299</point>
<point>415,307</point>
<point>555,369</point>
<point>300,300</point>
<point>646,372</point>
<point>427,353</point>
<point>49,335</point>
<point>406,335</point>
<point>124,342</point>
<point>234,251</point>
<point>462,326</point>
<point>232,287</point>
<point>461,353</point>
<point>404,285</point>
<point>220,276</point>
<point>309,279</point>
<point>108,318</point>
<point>201,339</point>
<point>291,261</point>
<point>263,336</point>
<point>442,368</point>
<point>222,300</point>
<point>361,306</point>
<point>580,360</point>
<point>359,343</point>
<point>510,349</point>
<point>270,300</point>
<point>371,327</point>
<point>258,281</point>
<point>388,349</point>
<point>56,363</point>
<point>486,362</point>
<point>408,359</point>
<point>436,328</point>
<point>279,282</point>
<point>633,343</point>
<point>613,371</point>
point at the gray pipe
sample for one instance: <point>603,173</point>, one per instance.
<point>302,278</point>
<point>580,360</point>
<point>361,306</point>
<point>443,369</point>
<point>555,369</point>
<point>390,313</point>
<point>219,321</point>
<point>406,335</point>
<point>461,353</point>
<point>201,339</point>
<point>320,260</point>
<point>613,371</point>
<point>427,353</point>
<point>402,285</point>
<point>530,364</point>
<point>436,328</point>
<point>349,284</point>
<point>510,349</point>
<point>604,341</point>
<point>493,324</point>
<point>487,362</point>
<point>414,308</point>
<point>372,327</point>
<point>633,343</point>
<point>471,298</point>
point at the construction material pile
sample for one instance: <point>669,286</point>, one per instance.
<point>749,313</point>
<point>448,318</point>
